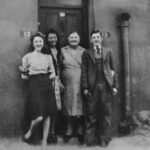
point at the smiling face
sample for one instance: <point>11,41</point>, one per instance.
<point>96,39</point>
<point>52,39</point>
<point>74,39</point>
<point>38,43</point>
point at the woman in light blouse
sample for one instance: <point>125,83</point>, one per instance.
<point>41,101</point>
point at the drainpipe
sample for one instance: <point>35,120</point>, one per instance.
<point>91,14</point>
<point>124,28</point>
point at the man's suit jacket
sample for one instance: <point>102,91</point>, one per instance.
<point>89,69</point>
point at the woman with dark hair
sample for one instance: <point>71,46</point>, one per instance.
<point>39,69</point>
<point>71,60</point>
<point>52,40</point>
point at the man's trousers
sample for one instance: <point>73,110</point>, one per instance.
<point>98,115</point>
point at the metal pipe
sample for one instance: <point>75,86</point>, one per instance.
<point>91,14</point>
<point>124,26</point>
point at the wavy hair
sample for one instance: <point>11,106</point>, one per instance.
<point>41,35</point>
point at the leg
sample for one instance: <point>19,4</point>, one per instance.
<point>80,125</point>
<point>80,128</point>
<point>106,121</point>
<point>46,125</point>
<point>104,115</point>
<point>90,130</point>
<point>52,138</point>
<point>52,126</point>
<point>33,123</point>
<point>91,119</point>
<point>69,130</point>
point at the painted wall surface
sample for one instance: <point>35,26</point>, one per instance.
<point>15,16</point>
<point>106,12</point>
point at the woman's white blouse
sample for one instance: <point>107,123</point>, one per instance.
<point>37,63</point>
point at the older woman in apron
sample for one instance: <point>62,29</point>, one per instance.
<point>72,101</point>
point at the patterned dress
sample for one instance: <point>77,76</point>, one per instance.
<point>54,54</point>
<point>71,78</point>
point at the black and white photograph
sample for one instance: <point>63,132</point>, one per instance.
<point>74,74</point>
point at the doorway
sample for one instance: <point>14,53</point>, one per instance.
<point>64,16</point>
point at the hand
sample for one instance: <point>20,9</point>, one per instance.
<point>112,73</point>
<point>59,108</point>
<point>61,86</point>
<point>24,77</point>
<point>86,92</point>
<point>52,76</point>
<point>22,69</point>
<point>115,91</point>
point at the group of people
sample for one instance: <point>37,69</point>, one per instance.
<point>76,81</point>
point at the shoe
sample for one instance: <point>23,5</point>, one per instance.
<point>24,139</point>
<point>103,144</point>
<point>80,139</point>
<point>31,141</point>
<point>107,141</point>
<point>55,140</point>
<point>52,138</point>
<point>66,138</point>
<point>28,141</point>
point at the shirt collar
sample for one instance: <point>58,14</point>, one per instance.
<point>95,48</point>
<point>37,53</point>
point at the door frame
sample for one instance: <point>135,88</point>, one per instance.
<point>84,9</point>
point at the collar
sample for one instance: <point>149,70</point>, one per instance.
<point>95,48</point>
<point>36,53</point>
<point>54,49</point>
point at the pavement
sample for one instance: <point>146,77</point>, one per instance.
<point>139,140</point>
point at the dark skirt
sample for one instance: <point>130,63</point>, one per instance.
<point>41,97</point>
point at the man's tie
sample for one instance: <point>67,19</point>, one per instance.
<point>98,50</point>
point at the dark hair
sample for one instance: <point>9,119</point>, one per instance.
<point>37,34</point>
<point>52,31</point>
<point>72,33</point>
<point>95,31</point>
<point>48,50</point>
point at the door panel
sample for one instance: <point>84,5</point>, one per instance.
<point>51,20</point>
<point>62,20</point>
<point>60,3</point>
<point>74,23</point>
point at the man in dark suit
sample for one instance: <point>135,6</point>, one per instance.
<point>98,81</point>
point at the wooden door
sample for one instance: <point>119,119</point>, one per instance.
<point>64,21</point>
<point>64,16</point>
